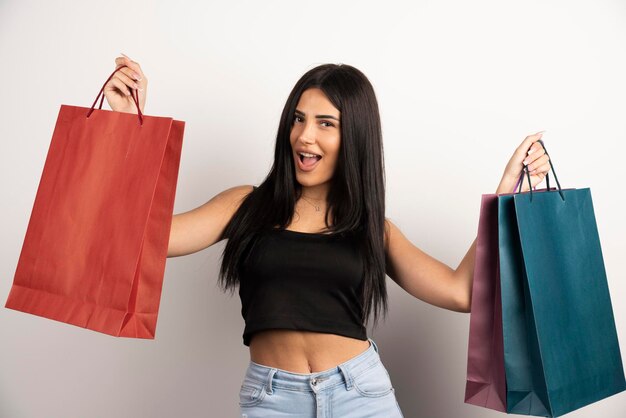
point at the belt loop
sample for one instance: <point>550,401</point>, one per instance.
<point>346,376</point>
<point>268,383</point>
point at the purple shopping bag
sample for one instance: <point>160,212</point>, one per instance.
<point>486,383</point>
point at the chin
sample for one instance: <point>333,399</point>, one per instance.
<point>309,182</point>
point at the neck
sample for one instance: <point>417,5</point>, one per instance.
<point>316,194</point>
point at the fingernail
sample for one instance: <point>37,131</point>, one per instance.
<point>540,132</point>
<point>139,89</point>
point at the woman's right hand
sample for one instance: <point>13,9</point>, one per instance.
<point>118,90</point>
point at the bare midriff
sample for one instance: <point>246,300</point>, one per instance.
<point>303,351</point>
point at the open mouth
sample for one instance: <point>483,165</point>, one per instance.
<point>308,161</point>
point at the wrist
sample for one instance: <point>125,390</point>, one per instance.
<point>506,185</point>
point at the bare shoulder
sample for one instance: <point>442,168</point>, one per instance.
<point>225,204</point>
<point>388,227</point>
<point>231,198</point>
<point>396,246</point>
<point>203,226</point>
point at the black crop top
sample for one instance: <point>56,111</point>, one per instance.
<point>303,281</point>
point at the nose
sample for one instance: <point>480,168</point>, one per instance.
<point>307,134</point>
<point>306,140</point>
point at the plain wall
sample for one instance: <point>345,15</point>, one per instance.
<point>460,84</point>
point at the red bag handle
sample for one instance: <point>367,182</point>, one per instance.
<point>132,93</point>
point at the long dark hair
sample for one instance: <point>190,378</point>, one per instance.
<point>356,194</point>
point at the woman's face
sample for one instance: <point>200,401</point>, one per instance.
<point>315,130</point>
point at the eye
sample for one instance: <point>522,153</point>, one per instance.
<point>327,123</point>
<point>297,118</point>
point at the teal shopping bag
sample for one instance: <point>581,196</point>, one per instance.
<point>561,350</point>
<point>526,393</point>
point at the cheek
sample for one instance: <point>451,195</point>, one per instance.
<point>332,156</point>
<point>334,147</point>
<point>296,129</point>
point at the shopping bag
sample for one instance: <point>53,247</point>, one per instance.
<point>486,381</point>
<point>524,373</point>
<point>485,384</point>
<point>561,350</point>
<point>95,247</point>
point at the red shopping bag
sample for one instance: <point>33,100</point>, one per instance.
<point>96,243</point>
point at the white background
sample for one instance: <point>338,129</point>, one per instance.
<point>460,84</point>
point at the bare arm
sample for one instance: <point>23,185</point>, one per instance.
<point>465,271</point>
<point>421,275</point>
<point>436,283</point>
<point>201,227</point>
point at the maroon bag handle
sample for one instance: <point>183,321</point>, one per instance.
<point>132,93</point>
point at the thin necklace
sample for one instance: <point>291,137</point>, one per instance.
<point>317,208</point>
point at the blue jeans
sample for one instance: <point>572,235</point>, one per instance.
<point>357,388</point>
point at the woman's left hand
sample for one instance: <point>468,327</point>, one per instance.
<point>529,153</point>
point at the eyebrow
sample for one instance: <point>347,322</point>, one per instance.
<point>319,116</point>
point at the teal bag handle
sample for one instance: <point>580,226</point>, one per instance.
<point>525,170</point>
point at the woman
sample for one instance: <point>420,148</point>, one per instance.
<point>310,247</point>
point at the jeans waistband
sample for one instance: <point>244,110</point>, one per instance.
<point>344,373</point>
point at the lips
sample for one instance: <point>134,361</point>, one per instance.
<point>301,166</point>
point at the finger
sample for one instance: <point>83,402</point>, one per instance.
<point>534,154</point>
<point>538,162</point>
<point>124,75</point>
<point>528,141</point>
<point>120,62</point>
<point>117,84</point>
<point>133,65</point>
<point>540,175</point>
<point>536,146</point>
<point>535,180</point>
<point>123,54</point>
<point>130,72</point>
<point>543,169</point>
<point>540,165</point>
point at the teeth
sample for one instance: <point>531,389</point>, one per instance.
<point>307,154</point>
